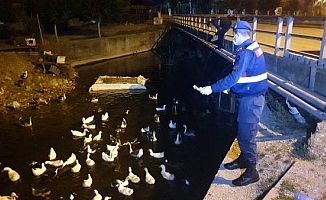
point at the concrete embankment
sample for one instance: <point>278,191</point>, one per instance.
<point>79,52</point>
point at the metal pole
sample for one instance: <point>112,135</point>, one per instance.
<point>287,43</point>
<point>254,28</point>
<point>322,54</point>
<point>278,35</point>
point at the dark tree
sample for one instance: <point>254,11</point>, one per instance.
<point>6,11</point>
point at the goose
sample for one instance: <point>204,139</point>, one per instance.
<point>172,125</point>
<point>41,192</point>
<point>161,108</point>
<point>89,161</point>
<point>148,177</point>
<point>13,196</point>
<point>89,126</point>
<point>139,154</point>
<point>105,117</point>
<point>76,168</point>
<point>106,157</point>
<point>98,137</point>
<point>25,123</point>
<point>12,174</point>
<point>23,75</point>
<point>78,133</point>
<point>88,182</point>
<point>123,123</point>
<point>153,97</point>
<point>132,177</point>
<point>88,139</point>
<point>70,160</point>
<point>178,139</point>
<point>97,196</point>
<point>39,171</point>
<point>55,163</point>
<point>156,118</point>
<point>88,119</point>
<point>156,155</point>
<point>188,133</point>
<point>127,112</point>
<point>52,154</point>
<point>166,175</point>
<point>154,139</point>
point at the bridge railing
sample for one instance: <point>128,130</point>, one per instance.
<point>282,40</point>
<point>309,98</point>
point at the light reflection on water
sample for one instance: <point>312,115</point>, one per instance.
<point>52,125</point>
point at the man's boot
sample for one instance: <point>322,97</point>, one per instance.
<point>238,163</point>
<point>249,176</point>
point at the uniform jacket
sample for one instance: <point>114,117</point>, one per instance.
<point>249,76</point>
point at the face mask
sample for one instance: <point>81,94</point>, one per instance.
<point>236,39</point>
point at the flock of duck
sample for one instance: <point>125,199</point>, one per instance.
<point>109,155</point>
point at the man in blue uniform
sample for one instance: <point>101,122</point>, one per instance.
<point>222,25</point>
<point>248,81</point>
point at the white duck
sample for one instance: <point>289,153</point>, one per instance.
<point>12,174</point>
<point>89,149</point>
<point>125,190</point>
<point>52,154</point>
<point>166,175</point>
<point>114,152</point>
<point>172,125</point>
<point>188,133</point>
<point>13,196</point>
<point>88,182</point>
<point>76,168</point>
<point>111,147</point>
<point>153,97</point>
<point>88,139</point>
<point>89,161</point>
<point>178,139</point>
<point>78,133</point>
<point>107,198</point>
<point>148,177</point>
<point>133,177</point>
<point>161,108</point>
<point>55,163</point>
<point>156,155</point>
<point>107,157</point>
<point>70,160</point>
<point>139,154</point>
<point>97,196</point>
<point>144,129</point>
<point>105,116</point>
<point>98,137</point>
<point>157,118</point>
<point>89,126</point>
<point>123,123</point>
<point>154,139</point>
<point>39,171</point>
<point>25,123</point>
<point>88,119</point>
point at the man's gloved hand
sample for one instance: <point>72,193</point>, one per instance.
<point>207,90</point>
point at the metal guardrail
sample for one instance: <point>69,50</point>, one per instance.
<point>306,99</point>
<point>199,23</point>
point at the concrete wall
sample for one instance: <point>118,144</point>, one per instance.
<point>84,51</point>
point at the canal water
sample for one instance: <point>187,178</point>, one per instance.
<point>194,162</point>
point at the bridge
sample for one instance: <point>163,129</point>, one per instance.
<point>295,52</point>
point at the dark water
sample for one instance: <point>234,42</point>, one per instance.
<point>196,160</point>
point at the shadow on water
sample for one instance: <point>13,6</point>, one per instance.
<point>194,162</point>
